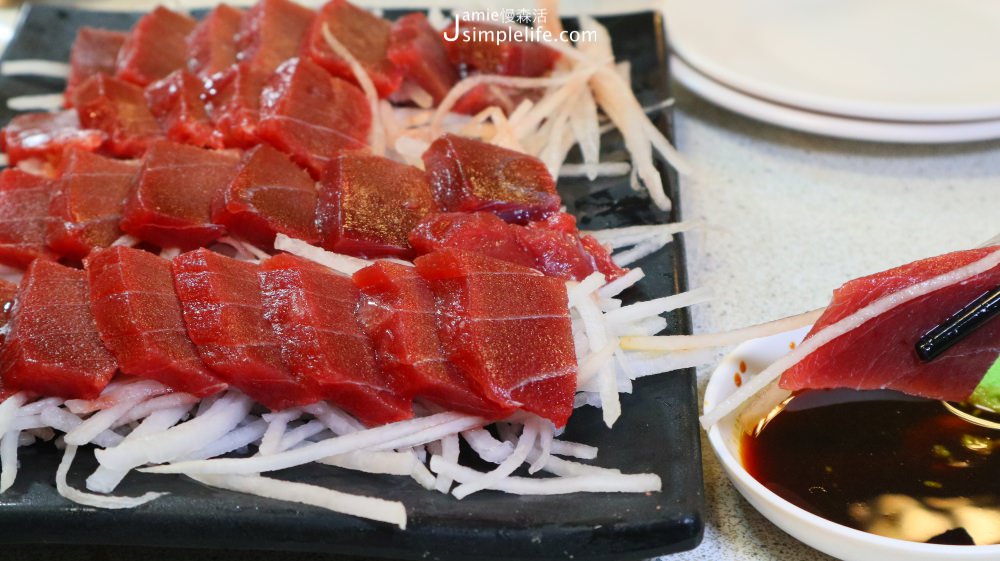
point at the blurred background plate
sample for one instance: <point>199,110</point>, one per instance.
<point>899,60</point>
<point>826,124</point>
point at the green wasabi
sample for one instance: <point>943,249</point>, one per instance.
<point>987,393</point>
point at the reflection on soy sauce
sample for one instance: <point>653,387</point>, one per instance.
<point>884,463</point>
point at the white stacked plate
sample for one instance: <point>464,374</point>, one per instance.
<point>888,70</point>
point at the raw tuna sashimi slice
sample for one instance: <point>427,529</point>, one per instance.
<point>52,347</point>
<point>94,51</point>
<point>8,291</point>
<point>234,103</point>
<point>507,329</point>
<point>313,311</point>
<point>46,136</point>
<point>397,311</point>
<point>469,175</point>
<point>369,204</point>
<point>880,354</point>
<point>118,109</point>
<point>419,53</point>
<point>211,47</point>
<point>224,315</point>
<point>272,32</point>
<point>170,203</point>
<point>88,201</point>
<point>24,217</point>
<point>178,103</point>
<point>139,320</point>
<point>365,35</point>
<point>482,232</point>
<point>312,116</point>
<point>560,250</point>
<point>156,46</point>
<point>545,246</point>
<point>268,195</point>
<point>471,48</point>
<point>485,96</point>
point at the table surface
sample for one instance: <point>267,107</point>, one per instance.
<point>790,217</point>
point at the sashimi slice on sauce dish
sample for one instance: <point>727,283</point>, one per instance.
<point>866,339</point>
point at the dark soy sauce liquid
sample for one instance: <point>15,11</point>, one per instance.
<point>884,463</point>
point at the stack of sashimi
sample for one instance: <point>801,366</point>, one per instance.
<point>248,125</point>
<point>452,330</point>
<point>425,293</point>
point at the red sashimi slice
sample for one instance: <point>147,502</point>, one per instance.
<point>94,51</point>
<point>139,320</point>
<point>272,32</point>
<point>24,217</point>
<point>311,116</point>
<point>118,109</point>
<point>211,47</point>
<point>88,201</point>
<point>481,232</point>
<point>485,96</point>
<point>553,246</point>
<point>365,35</point>
<point>52,348</point>
<point>268,195</point>
<point>8,291</point>
<point>473,46</point>
<point>469,175</point>
<point>178,103</point>
<point>560,250</point>
<point>369,204</point>
<point>224,315</point>
<point>234,103</point>
<point>418,51</point>
<point>156,47</point>
<point>507,329</point>
<point>398,313</point>
<point>313,311</point>
<point>170,203</point>
<point>46,136</point>
<point>880,353</point>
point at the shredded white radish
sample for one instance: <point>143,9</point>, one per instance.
<point>642,310</point>
<point>34,67</point>
<point>64,421</point>
<point>371,508</point>
<point>8,458</point>
<point>390,463</point>
<point>524,445</point>
<point>620,284</point>
<point>487,447</point>
<point>39,102</point>
<point>344,264</point>
<point>374,438</point>
<point>843,326</point>
<point>668,343</point>
<point>88,499</point>
<point>104,480</point>
<point>593,171</point>
<point>182,439</point>
<point>9,410</point>
<point>604,483</point>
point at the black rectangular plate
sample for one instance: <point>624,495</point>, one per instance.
<point>657,431</point>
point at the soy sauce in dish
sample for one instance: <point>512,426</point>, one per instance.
<point>882,462</point>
